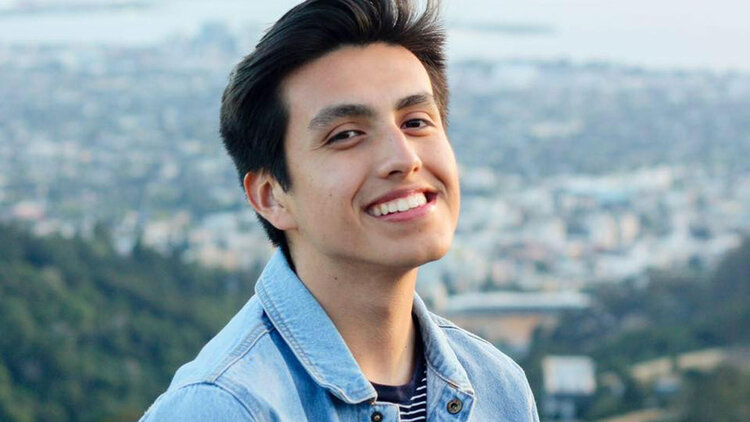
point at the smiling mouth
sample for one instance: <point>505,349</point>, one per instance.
<point>399,205</point>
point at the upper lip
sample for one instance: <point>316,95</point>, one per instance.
<point>398,193</point>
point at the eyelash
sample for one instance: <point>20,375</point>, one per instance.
<point>425,121</point>
<point>337,137</point>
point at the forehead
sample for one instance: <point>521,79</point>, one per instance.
<point>375,74</point>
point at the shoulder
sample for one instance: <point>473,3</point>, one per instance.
<point>466,342</point>
<point>493,374</point>
<point>207,385</point>
<point>198,402</point>
<point>240,337</point>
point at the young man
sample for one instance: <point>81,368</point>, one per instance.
<point>336,123</point>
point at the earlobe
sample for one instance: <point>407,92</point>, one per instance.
<point>268,199</point>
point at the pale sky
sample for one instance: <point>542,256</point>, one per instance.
<point>663,33</point>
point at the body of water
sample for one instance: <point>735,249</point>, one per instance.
<point>665,34</point>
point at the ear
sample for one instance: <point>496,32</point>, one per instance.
<point>268,199</point>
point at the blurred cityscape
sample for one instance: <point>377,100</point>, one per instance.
<point>573,175</point>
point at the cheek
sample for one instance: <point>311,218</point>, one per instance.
<point>445,169</point>
<point>443,163</point>
<point>327,191</point>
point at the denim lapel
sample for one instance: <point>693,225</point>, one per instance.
<point>310,333</point>
<point>438,352</point>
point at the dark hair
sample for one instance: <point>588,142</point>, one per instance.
<point>253,114</point>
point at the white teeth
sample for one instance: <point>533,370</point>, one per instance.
<point>399,205</point>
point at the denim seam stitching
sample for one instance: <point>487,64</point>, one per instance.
<point>274,314</point>
<point>468,333</point>
<point>469,391</point>
<point>222,388</point>
<point>252,338</point>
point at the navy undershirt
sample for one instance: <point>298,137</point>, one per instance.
<point>411,397</point>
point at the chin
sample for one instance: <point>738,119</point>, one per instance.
<point>419,255</point>
<point>436,255</point>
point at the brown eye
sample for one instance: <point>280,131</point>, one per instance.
<point>415,124</point>
<point>344,135</point>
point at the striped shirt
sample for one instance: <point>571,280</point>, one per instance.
<point>411,398</point>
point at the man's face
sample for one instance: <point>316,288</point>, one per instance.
<point>374,178</point>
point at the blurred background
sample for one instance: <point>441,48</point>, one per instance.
<point>603,241</point>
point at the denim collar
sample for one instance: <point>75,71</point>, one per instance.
<point>314,339</point>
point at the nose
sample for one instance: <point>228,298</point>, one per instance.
<point>399,157</point>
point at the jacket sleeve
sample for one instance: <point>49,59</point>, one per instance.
<point>532,403</point>
<point>197,402</point>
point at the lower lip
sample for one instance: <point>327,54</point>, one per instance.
<point>410,214</point>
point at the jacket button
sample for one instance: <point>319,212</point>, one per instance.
<point>454,406</point>
<point>376,417</point>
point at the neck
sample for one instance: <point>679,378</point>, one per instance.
<point>372,310</point>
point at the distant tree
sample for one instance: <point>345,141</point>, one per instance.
<point>723,395</point>
<point>89,335</point>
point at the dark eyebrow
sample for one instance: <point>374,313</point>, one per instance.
<point>329,114</point>
<point>416,99</point>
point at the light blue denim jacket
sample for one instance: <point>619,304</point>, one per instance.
<point>282,359</point>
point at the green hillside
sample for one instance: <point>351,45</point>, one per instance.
<point>89,335</point>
